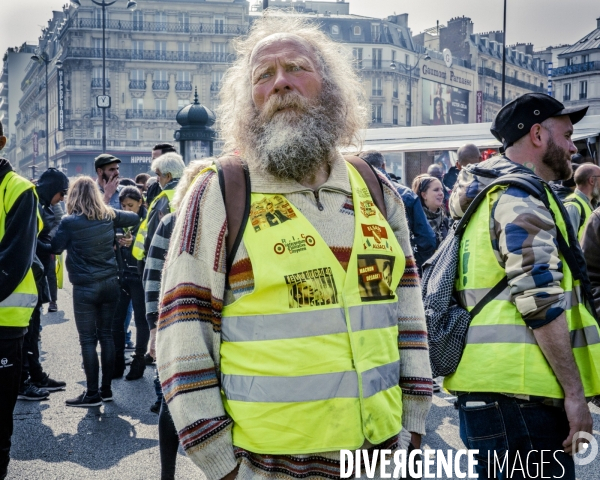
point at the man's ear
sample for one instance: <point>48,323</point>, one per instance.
<point>2,141</point>
<point>535,135</point>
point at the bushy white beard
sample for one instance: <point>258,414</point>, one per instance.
<point>295,143</point>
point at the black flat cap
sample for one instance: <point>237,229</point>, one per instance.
<point>105,159</point>
<point>516,118</point>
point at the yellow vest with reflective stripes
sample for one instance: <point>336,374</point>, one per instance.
<point>138,250</point>
<point>16,309</point>
<point>501,354</point>
<point>584,211</point>
<point>309,359</point>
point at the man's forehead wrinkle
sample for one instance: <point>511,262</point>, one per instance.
<point>289,38</point>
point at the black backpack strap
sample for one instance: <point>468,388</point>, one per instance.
<point>372,180</point>
<point>234,180</point>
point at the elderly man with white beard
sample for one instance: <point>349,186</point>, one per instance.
<point>314,340</point>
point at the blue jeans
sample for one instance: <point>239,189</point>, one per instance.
<point>511,427</point>
<point>94,306</point>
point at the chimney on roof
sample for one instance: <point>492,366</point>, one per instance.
<point>401,20</point>
<point>598,22</point>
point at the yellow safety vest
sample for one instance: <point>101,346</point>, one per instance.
<point>310,359</point>
<point>501,354</point>
<point>584,212</point>
<point>16,309</point>
<point>138,250</point>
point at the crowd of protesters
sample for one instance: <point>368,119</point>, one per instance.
<point>239,354</point>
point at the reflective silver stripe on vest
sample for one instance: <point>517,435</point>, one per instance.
<point>306,388</point>
<point>281,326</point>
<point>25,300</point>
<point>380,378</point>
<point>307,324</point>
<point>375,315</point>
<point>473,296</point>
<point>522,334</point>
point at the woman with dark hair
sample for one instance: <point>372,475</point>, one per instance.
<point>431,193</point>
<point>87,232</point>
<point>132,290</point>
<point>438,112</point>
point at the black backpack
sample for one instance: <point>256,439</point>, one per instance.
<point>447,321</point>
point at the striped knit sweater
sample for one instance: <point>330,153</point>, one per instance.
<point>193,293</point>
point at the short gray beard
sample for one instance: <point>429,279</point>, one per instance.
<point>293,144</point>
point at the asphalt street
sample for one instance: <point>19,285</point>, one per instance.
<point>119,440</point>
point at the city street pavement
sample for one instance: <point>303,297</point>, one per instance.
<point>120,439</point>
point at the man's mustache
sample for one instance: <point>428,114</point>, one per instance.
<point>281,102</point>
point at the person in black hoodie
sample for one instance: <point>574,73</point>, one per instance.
<point>87,232</point>
<point>51,189</point>
<point>18,230</point>
<point>132,290</point>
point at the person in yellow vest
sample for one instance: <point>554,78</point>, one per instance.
<point>18,292</point>
<point>532,355</point>
<point>310,337</point>
<point>169,169</point>
<point>581,202</point>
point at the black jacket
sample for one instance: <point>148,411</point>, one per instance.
<point>90,244</point>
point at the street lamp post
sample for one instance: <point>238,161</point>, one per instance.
<point>131,5</point>
<point>504,55</point>
<point>43,58</point>
<point>410,70</point>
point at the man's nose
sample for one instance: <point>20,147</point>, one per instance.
<point>281,82</point>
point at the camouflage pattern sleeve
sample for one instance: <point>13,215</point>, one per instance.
<point>524,238</point>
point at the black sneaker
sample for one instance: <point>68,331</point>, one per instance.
<point>106,394</point>
<point>136,371</point>
<point>84,400</point>
<point>32,393</point>
<point>49,384</point>
<point>52,307</point>
<point>155,408</point>
<point>149,359</point>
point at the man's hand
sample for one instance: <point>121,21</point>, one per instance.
<point>554,340</point>
<point>232,474</point>
<point>110,188</point>
<point>580,420</point>
<point>126,241</point>
<point>152,343</point>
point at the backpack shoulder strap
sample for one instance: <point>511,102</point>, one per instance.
<point>371,179</point>
<point>234,181</point>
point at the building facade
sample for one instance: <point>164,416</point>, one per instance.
<point>155,57</point>
<point>576,78</point>
<point>483,53</point>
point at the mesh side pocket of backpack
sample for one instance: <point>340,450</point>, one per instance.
<point>447,321</point>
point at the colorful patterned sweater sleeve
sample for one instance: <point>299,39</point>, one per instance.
<point>188,337</point>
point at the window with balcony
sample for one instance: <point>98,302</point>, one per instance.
<point>160,51</point>
<point>161,80</point>
<point>216,81</point>
<point>585,58</point>
<point>488,87</point>
<point>183,82</point>
<point>569,61</point>
<point>377,55</point>
<point>583,90</point>
<point>376,110</point>
<point>357,53</point>
<point>160,105</point>
<point>98,132</point>
<point>137,80</point>
<point>495,92</point>
<point>97,46</point>
<point>97,77</point>
<point>98,17</point>
<point>137,105</point>
<point>183,51</point>
<point>395,115</point>
<point>395,88</point>
<point>160,18</point>
<point>184,21</point>
<point>134,133</point>
<point>566,91</point>
<point>138,20</point>
<point>407,60</point>
<point>220,51</point>
<point>219,25</point>
<point>137,49</point>
<point>376,88</point>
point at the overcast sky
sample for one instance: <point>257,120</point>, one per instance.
<point>541,22</point>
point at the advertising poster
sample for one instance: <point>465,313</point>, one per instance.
<point>444,105</point>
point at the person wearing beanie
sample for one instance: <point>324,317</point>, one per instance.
<point>35,383</point>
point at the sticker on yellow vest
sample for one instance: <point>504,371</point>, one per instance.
<point>270,212</point>
<point>376,237</point>
<point>375,277</point>
<point>294,245</point>
<point>312,288</point>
